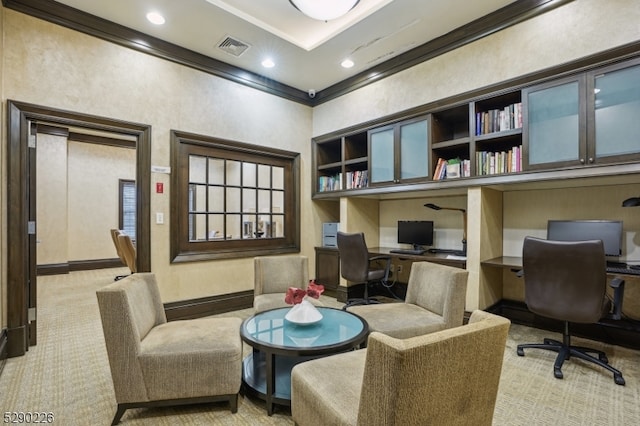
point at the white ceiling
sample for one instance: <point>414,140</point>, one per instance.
<point>307,53</point>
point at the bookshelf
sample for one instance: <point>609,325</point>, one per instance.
<point>450,141</point>
<point>584,119</point>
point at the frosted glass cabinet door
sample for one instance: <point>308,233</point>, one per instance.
<point>553,124</point>
<point>414,155</point>
<point>381,149</point>
<point>617,112</point>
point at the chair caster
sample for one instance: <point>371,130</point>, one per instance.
<point>603,358</point>
<point>619,379</point>
<point>520,351</point>
<point>557,373</point>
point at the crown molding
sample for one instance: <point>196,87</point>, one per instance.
<point>75,19</point>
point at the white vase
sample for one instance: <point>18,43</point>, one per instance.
<point>303,313</point>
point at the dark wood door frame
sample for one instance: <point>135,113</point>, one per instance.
<point>19,115</point>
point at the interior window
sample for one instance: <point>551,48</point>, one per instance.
<point>127,210</point>
<point>232,199</point>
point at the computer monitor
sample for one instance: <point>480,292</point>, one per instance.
<point>419,233</point>
<point>609,231</point>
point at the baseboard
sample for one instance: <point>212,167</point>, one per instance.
<point>202,307</point>
<point>624,332</point>
<point>78,265</point>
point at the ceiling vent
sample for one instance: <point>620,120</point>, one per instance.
<point>233,46</point>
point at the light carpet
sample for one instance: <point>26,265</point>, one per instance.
<point>67,374</point>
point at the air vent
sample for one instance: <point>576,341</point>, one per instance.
<point>233,46</point>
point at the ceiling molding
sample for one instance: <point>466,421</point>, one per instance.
<point>75,19</point>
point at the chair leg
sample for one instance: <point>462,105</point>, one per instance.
<point>119,412</point>
<point>233,403</point>
<point>565,351</point>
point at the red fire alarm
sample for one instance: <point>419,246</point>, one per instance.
<point>159,187</point>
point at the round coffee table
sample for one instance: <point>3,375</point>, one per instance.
<point>278,345</point>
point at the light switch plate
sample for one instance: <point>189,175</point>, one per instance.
<point>159,218</point>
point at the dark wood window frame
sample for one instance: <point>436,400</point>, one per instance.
<point>184,145</point>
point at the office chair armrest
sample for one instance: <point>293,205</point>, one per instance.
<point>387,267</point>
<point>617,284</point>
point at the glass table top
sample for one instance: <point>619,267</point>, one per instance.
<point>271,329</point>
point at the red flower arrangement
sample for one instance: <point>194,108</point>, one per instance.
<point>296,295</point>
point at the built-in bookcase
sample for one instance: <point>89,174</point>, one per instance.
<point>585,118</point>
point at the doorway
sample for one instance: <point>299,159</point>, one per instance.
<point>21,258</point>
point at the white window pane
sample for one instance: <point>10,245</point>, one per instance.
<point>233,172</point>
<point>249,174</point>
<point>197,169</point>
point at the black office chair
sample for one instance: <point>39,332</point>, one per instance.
<point>355,265</point>
<point>567,281</point>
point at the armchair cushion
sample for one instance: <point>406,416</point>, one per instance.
<point>208,348</point>
<point>435,301</point>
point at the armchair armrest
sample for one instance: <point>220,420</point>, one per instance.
<point>617,284</point>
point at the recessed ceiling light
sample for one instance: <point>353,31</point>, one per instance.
<point>155,18</point>
<point>347,63</point>
<point>268,63</point>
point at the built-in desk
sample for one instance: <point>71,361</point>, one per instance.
<point>623,332</point>
<point>328,268</point>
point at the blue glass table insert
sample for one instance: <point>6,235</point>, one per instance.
<point>278,345</point>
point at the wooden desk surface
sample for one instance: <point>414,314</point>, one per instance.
<point>441,258</point>
<point>504,262</point>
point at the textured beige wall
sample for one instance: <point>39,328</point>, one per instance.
<point>578,29</point>
<point>51,200</point>
<point>49,65</point>
<point>93,194</point>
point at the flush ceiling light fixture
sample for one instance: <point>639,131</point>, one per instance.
<point>155,18</point>
<point>324,10</point>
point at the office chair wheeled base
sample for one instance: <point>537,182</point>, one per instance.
<point>566,351</point>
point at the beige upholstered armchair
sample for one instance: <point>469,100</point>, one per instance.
<point>449,377</point>
<point>435,301</point>
<point>154,362</point>
<point>274,275</point>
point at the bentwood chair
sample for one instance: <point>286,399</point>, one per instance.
<point>567,281</point>
<point>128,252</point>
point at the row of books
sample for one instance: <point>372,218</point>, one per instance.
<point>498,120</point>
<point>330,183</point>
<point>451,169</point>
<point>493,163</point>
<point>356,179</point>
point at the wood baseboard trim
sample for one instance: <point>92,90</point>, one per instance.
<point>78,265</point>
<point>622,332</point>
<point>206,306</point>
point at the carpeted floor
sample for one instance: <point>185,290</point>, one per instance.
<point>67,374</point>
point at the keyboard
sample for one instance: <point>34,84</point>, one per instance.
<point>408,251</point>
<point>622,270</point>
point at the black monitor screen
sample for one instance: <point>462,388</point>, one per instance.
<point>609,231</point>
<point>416,232</point>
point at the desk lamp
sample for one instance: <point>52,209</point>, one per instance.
<point>632,202</point>
<point>462,252</point>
